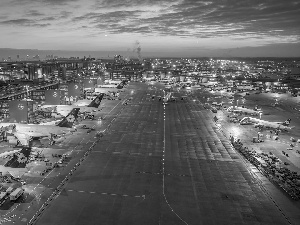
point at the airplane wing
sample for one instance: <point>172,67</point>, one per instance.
<point>64,112</point>
<point>2,155</point>
<point>84,102</point>
<point>49,123</point>
<point>16,166</point>
<point>24,138</point>
<point>285,128</point>
<point>15,172</point>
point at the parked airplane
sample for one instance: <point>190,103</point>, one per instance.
<point>16,165</point>
<point>87,102</point>
<point>283,126</point>
<point>107,91</point>
<point>84,105</point>
<point>168,98</point>
<point>148,79</point>
<point>245,87</point>
<point>47,108</point>
<point>91,107</point>
<point>115,82</point>
<point>119,86</point>
<point>242,110</point>
<point>26,132</point>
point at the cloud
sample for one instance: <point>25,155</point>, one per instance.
<point>250,22</point>
<point>195,18</point>
<point>45,2</point>
<point>48,18</point>
<point>108,4</point>
<point>3,17</point>
<point>34,13</point>
<point>52,16</point>
<point>245,15</point>
<point>24,22</point>
<point>181,18</point>
<point>20,22</point>
<point>65,14</point>
<point>57,2</point>
<point>110,19</point>
<point>35,18</point>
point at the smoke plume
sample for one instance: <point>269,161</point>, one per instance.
<point>137,48</point>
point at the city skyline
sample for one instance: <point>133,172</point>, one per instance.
<point>181,28</point>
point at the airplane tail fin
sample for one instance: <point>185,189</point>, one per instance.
<point>69,120</point>
<point>245,119</point>
<point>120,86</point>
<point>123,82</point>
<point>20,159</point>
<point>96,102</point>
<point>287,122</point>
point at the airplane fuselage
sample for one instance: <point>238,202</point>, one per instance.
<point>246,111</point>
<point>39,130</point>
<point>265,124</point>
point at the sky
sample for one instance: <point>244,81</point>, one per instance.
<point>178,28</point>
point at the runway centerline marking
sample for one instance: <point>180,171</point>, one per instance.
<point>168,174</point>
<point>163,171</point>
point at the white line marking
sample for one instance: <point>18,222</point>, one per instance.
<point>163,172</point>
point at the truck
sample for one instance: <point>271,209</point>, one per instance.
<point>16,194</point>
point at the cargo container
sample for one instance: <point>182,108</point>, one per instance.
<point>9,190</point>
<point>2,197</point>
<point>16,194</point>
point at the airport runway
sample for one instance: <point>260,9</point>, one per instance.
<point>161,164</point>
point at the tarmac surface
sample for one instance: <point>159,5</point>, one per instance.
<point>165,164</point>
